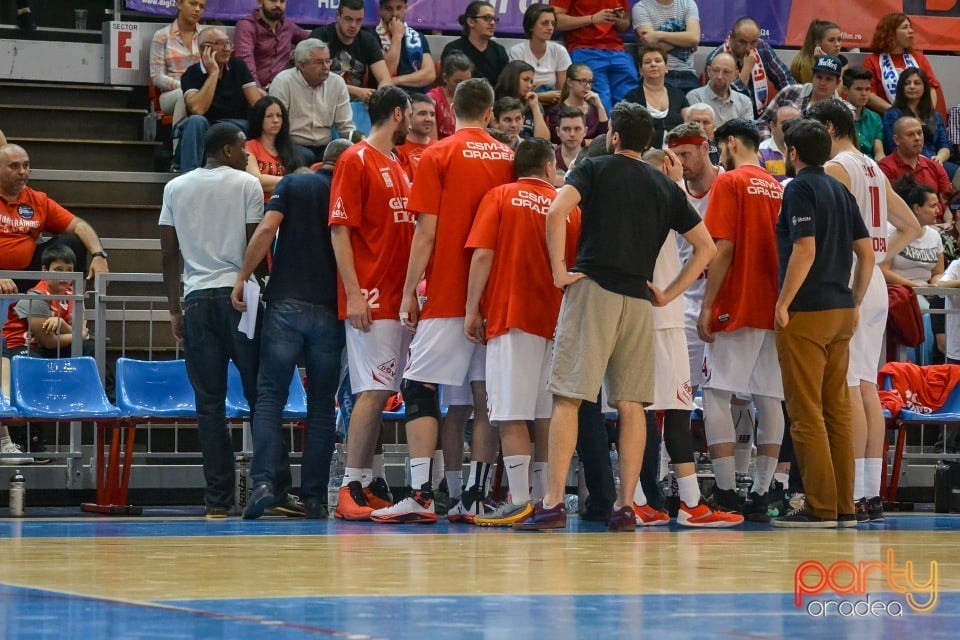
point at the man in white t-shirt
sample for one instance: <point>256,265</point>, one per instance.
<point>207,217</point>
<point>675,26</point>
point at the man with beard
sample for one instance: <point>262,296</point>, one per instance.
<point>265,39</point>
<point>371,233</point>
<point>422,123</point>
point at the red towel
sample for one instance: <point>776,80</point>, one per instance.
<point>919,389</point>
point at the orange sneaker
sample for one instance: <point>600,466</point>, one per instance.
<point>378,494</point>
<point>703,516</point>
<point>352,503</point>
<point>647,516</point>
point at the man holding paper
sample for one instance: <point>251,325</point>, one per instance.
<point>207,217</point>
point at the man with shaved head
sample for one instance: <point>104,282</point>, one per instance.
<point>726,104</point>
<point>26,213</point>
<point>907,159</point>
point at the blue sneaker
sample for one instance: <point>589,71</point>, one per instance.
<point>261,500</point>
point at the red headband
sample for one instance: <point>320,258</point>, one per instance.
<point>694,140</point>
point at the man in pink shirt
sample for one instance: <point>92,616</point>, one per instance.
<point>265,39</point>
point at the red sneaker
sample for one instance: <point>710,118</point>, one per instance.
<point>543,518</point>
<point>622,519</point>
<point>704,516</point>
<point>647,516</point>
<point>352,503</point>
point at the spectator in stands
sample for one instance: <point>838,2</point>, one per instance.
<point>356,53</point>
<point>826,80</point>
<point>271,151</point>
<point>578,94</point>
<point>908,159</point>
<point>772,150</point>
<point>920,263</point>
<point>549,59</point>
<point>856,83</point>
<point>172,50</point>
<point>592,35</point>
<point>757,63</point>
<point>823,39</point>
<point>405,50</point>
<point>299,324</point>
<point>508,118</point>
<point>456,67</point>
<point>893,52</point>
<point>25,214</point>
<point>317,101</point>
<point>667,105</point>
<point>914,98</point>
<point>704,115</point>
<point>571,131</point>
<point>207,217</point>
<point>726,104</point>
<point>675,26</point>
<point>218,88</point>
<point>423,123</point>
<point>265,40</point>
<point>479,22</point>
<point>516,81</point>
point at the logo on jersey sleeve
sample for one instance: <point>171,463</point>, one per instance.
<point>339,211</point>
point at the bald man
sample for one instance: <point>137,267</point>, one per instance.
<point>727,104</point>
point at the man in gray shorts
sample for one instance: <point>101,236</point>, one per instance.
<point>605,330</point>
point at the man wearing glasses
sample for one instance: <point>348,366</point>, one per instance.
<point>216,89</point>
<point>479,22</point>
<point>717,93</point>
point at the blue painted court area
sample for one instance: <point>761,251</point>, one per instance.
<point>30,613</point>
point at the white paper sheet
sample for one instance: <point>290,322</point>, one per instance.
<point>248,319</point>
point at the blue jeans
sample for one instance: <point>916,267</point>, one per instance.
<point>292,328</point>
<point>191,132</point>
<point>210,341</point>
<point>614,73</point>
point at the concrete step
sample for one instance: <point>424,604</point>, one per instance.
<point>55,94</point>
<point>120,220</point>
<point>108,188</point>
<point>89,154</point>
<point>107,123</point>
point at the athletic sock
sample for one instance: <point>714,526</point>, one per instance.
<point>744,426</point>
<point>437,467</point>
<point>689,490</point>
<point>783,479</point>
<point>420,472</point>
<point>639,497</point>
<point>724,473</point>
<point>350,474</point>
<point>366,477</point>
<point>766,467</point>
<point>454,483</point>
<point>539,481</point>
<point>518,476</point>
<point>872,471</point>
<point>476,469</point>
<point>858,474</point>
<point>5,441</point>
<point>379,470</point>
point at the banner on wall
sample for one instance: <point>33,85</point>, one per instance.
<point>784,22</point>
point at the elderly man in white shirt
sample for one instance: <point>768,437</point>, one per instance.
<point>316,100</point>
<point>727,104</point>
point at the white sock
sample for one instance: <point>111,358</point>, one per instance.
<point>783,478</point>
<point>766,467</point>
<point>743,425</point>
<point>419,472</point>
<point>518,476</point>
<point>539,480</point>
<point>689,490</point>
<point>351,474</point>
<point>724,473</point>
<point>872,470</point>
<point>858,473</point>
<point>366,477</point>
<point>379,470</point>
<point>454,483</point>
<point>639,497</point>
<point>437,467</point>
<point>472,477</point>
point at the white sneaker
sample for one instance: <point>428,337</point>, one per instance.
<point>11,447</point>
<point>418,508</point>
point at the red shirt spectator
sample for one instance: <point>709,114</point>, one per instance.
<point>906,158</point>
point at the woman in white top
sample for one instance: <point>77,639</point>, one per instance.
<point>549,59</point>
<point>172,50</point>
<point>920,263</point>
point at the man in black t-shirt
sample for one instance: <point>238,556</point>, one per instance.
<point>819,230</point>
<point>218,88</point>
<point>300,321</point>
<point>356,53</point>
<point>605,329</point>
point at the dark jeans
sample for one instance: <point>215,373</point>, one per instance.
<point>211,340</point>
<point>683,80</point>
<point>292,328</point>
<point>593,447</point>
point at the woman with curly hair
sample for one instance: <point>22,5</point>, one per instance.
<point>893,52</point>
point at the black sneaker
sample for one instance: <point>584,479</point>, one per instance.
<point>804,519</point>
<point>862,515</point>
<point>776,498</point>
<point>875,509</point>
<point>37,449</point>
<point>261,499</point>
<point>315,510</point>
<point>847,520</point>
<point>379,489</point>
<point>755,508</point>
<point>726,499</point>
<point>289,506</point>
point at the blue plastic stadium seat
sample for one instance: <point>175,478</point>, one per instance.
<point>949,412</point>
<point>154,389</point>
<point>59,389</point>
<point>238,407</point>
<point>6,411</point>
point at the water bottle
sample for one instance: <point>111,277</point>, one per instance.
<point>572,502</point>
<point>615,464</point>
<point>242,491</point>
<point>338,465</point>
<point>18,494</point>
<point>150,122</point>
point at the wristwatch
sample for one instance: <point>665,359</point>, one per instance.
<point>99,254</point>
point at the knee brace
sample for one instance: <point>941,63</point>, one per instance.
<point>420,400</point>
<point>677,436</point>
<point>770,421</point>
